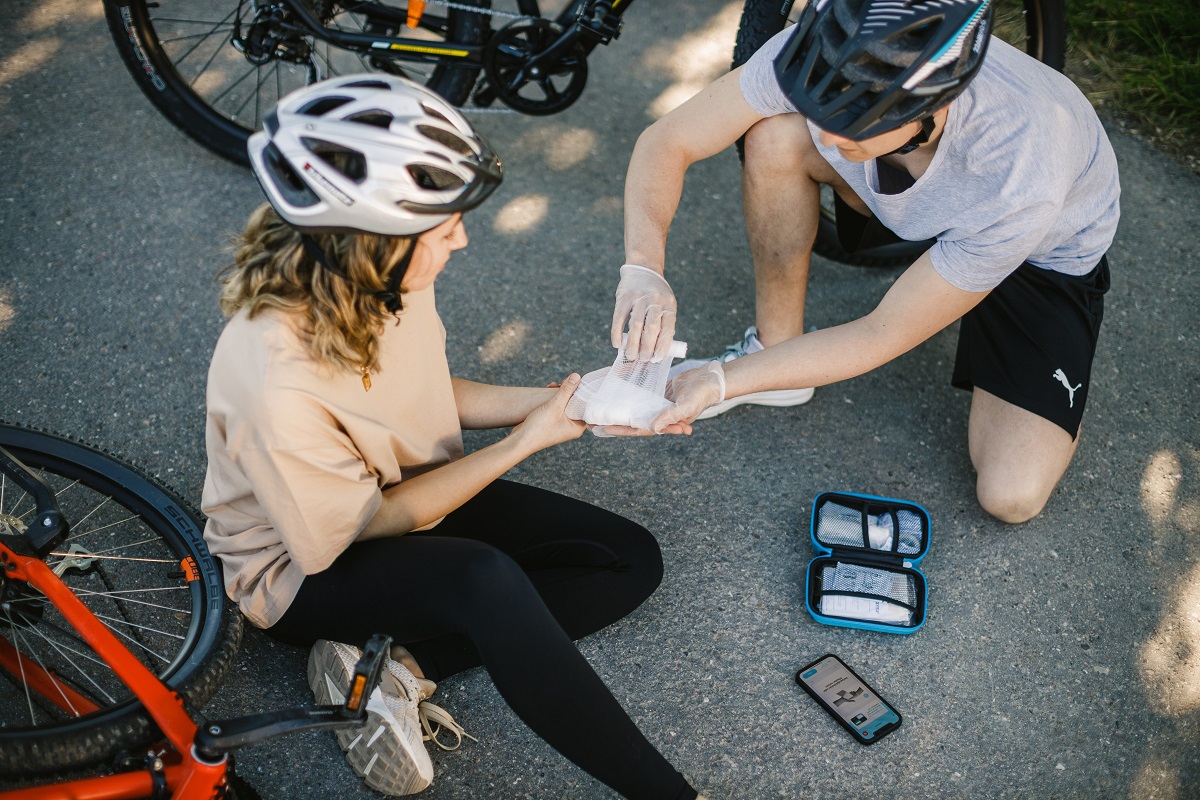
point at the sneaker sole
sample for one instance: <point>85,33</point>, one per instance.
<point>382,759</point>
<point>777,398</point>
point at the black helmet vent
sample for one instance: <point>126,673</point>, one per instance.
<point>434,178</point>
<point>433,112</point>
<point>319,108</point>
<point>369,84</point>
<point>446,139</point>
<point>350,163</point>
<point>380,119</point>
<point>280,172</point>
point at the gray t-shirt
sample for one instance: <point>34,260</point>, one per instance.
<point>1023,172</point>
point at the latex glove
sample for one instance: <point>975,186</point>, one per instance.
<point>692,392</point>
<point>645,300</point>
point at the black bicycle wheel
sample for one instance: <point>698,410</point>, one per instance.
<point>182,55</point>
<point>1039,27</point>
<point>136,557</point>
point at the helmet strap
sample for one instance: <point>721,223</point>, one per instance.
<point>390,296</point>
<point>921,137</point>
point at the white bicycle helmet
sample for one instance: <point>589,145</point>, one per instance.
<point>370,153</point>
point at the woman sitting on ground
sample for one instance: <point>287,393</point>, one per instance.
<point>338,495</point>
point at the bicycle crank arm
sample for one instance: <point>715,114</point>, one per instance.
<point>218,737</point>
<point>214,739</point>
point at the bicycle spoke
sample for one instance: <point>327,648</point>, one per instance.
<point>62,650</point>
<point>105,527</point>
<point>21,666</point>
<point>116,558</point>
<point>130,638</point>
<point>128,624</point>
<point>224,21</point>
<point>135,601</point>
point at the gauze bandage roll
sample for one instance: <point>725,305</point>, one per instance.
<point>629,393</point>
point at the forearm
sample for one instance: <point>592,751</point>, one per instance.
<point>482,405</point>
<point>918,305</point>
<point>420,501</point>
<point>706,124</point>
<point>653,187</point>
<point>814,359</point>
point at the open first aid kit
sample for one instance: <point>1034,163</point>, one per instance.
<point>865,574</point>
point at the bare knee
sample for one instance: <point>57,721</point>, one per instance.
<point>779,145</point>
<point>1012,500</point>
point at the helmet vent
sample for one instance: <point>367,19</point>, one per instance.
<point>380,119</point>
<point>434,178</point>
<point>285,179</point>
<point>350,163</point>
<point>321,107</point>
<point>368,84</point>
<point>433,112</point>
<point>446,139</point>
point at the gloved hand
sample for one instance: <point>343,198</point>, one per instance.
<point>692,392</point>
<point>645,300</point>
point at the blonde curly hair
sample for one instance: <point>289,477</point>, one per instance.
<point>271,269</point>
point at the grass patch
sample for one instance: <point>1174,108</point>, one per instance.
<point>1141,60</point>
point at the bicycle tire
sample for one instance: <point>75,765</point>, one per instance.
<point>134,529</point>
<point>181,56</point>
<point>1041,32</point>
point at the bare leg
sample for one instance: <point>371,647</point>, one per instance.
<point>400,653</point>
<point>781,189</point>
<point>1019,457</point>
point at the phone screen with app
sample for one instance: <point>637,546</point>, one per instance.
<point>849,699</point>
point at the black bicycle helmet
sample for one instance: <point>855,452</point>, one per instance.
<point>859,68</point>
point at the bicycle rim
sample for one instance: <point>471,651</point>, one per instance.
<point>182,54</point>
<point>136,558</point>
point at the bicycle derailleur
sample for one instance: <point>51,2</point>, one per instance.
<point>273,35</point>
<point>535,66</point>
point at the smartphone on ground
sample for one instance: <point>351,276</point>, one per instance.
<point>849,699</point>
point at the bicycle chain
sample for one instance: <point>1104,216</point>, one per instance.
<point>490,12</point>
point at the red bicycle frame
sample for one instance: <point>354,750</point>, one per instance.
<point>185,775</point>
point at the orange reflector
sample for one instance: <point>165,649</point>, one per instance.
<point>191,572</point>
<point>356,692</point>
<point>416,8</point>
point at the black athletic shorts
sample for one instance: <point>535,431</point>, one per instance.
<point>1032,339</point>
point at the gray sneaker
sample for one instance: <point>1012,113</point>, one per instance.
<point>780,398</point>
<point>388,752</point>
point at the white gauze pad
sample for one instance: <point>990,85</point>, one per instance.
<point>629,393</point>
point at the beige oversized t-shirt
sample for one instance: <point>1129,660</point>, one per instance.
<point>298,453</point>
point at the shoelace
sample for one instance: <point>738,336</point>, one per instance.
<point>435,720</point>
<point>733,351</point>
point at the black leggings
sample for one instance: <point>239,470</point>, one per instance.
<point>507,581</point>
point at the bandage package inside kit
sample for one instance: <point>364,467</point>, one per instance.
<point>866,575</point>
<point>629,393</point>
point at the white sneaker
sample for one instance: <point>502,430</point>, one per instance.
<point>388,752</point>
<point>780,398</point>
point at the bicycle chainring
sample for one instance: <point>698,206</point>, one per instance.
<point>537,90</point>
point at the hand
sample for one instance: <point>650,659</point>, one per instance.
<point>645,300</point>
<point>623,430</point>
<point>548,424</point>
<point>692,391</point>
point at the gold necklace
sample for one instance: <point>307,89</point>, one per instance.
<point>366,377</point>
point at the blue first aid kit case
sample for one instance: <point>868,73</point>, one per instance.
<point>866,571</point>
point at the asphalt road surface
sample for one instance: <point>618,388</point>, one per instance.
<point>1061,658</point>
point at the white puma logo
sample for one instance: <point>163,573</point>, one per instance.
<point>1061,377</point>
